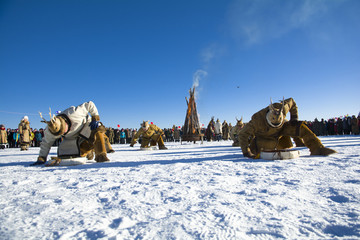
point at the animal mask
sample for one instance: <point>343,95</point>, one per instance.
<point>275,117</point>
<point>56,125</point>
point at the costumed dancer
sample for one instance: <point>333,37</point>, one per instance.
<point>25,133</point>
<point>150,136</point>
<point>226,130</point>
<point>234,132</point>
<point>268,130</point>
<point>81,134</point>
<point>3,137</point>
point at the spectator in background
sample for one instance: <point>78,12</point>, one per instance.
<point>3,137</point>
<point>32,138</point>
<point>176,134</point>
<point>128,135</point>
<point>116,136</point>
<point>122,136</point>
<point>354,125</point>
<point>10,137</point>
<point>169,135</point>
<point>218,130</point>
<point>339,124</point>
<point>38,138</point>
<point>331,127</point>
<point>16,137</point>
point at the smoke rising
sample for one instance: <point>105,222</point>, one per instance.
<point>198,76</point>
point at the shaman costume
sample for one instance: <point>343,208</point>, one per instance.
<point>25,133</point>
<point>225,130</point>
<point>3,137</point>
<point>234,132</point>
<point>210,132</point>
<point>150,134</point>
<point>269,130</point>
<point>80,133</point>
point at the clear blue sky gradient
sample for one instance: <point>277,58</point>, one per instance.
<point>138,59</point>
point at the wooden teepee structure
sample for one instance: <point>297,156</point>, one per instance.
<point>191,128</point>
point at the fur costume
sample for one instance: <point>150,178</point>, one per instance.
<point>25,133</point>
<point>151,135</point>
<point>234,132</point>
<point>269,130</point>
<point>72,125</point>
<point>3,135</point>
<point>225,130</point>
<point>210,132</point>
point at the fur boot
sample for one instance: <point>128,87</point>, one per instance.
<point>99,147</point>
<point>161,143</point>
<point>108,146</point>
<point>101,157</point>
<point>313,142</point>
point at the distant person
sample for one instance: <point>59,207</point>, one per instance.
<point>176,134</point>
<point>10,134</point>
<point>269,130</point>
<point>234,132</point>
<point>226,130</point>
<point>354,125</point>
<point>218,130</point>
<point>339,125</point>
<point>81,134</point>
<point>3,137</point>
<point>16,138</point>
<point>38,138</point>
<point>25,133</point>
<point>122,136</point>
<point>110,134</point>
<point>210,132</point>
<point>128,135</point>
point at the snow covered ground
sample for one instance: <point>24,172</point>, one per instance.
<point>190,191</point>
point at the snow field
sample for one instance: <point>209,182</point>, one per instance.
<point>190,191</point>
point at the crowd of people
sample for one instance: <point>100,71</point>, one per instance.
<point>11,138</point>
<point>124,136</point>
<point>336,126</point>
<point>215,131</point>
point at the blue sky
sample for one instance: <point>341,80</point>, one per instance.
<point>138,59</point>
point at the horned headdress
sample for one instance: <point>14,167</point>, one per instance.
<point>275,117</point>
<point>145,125</point>
<point>56,125</point>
